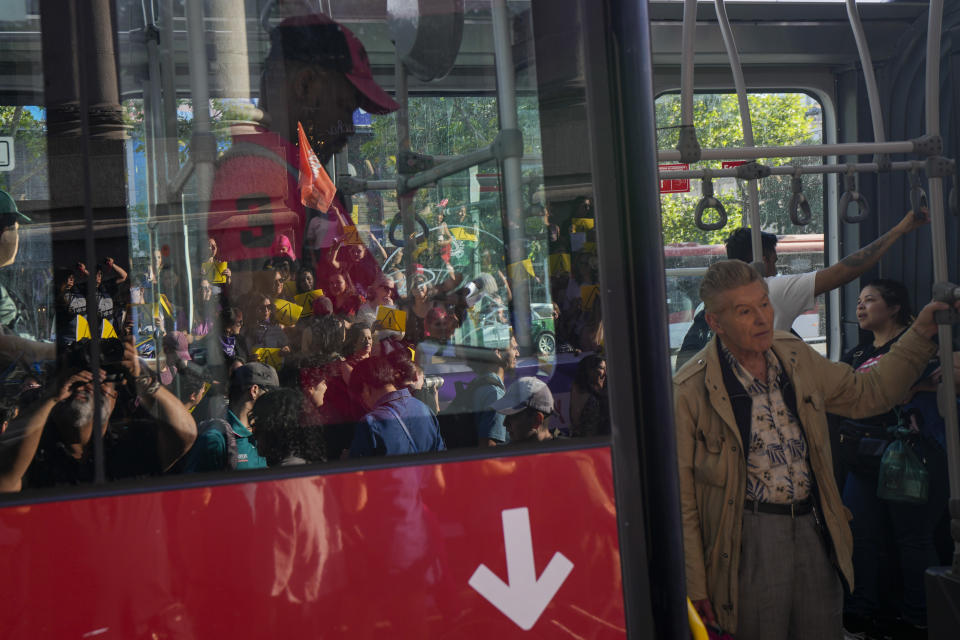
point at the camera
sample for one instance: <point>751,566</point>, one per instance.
<point>431,382</point>
<point>77,356</point>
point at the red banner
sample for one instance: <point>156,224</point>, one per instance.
<point>316,188</point>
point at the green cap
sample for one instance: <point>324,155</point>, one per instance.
<point>8,205</point>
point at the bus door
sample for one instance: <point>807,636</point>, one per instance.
<point>378,348</point>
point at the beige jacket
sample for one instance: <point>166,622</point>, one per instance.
<point>713,470</point>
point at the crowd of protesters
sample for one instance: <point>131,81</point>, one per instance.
<point>292,359</point>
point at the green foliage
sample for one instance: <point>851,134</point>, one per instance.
<point>32,135</point>
<point>777,119</point>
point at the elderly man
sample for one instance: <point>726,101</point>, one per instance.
<point>766,537</point>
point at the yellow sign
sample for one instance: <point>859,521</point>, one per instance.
<point>582,224</point>
<point>420,249</point>
<point>272,357</point>
<point>355,213</point>
<point>588,296</point>
<point>559,263</point>
<point>520,270</point>
<point>391,319</point>
<point>305,300</point>
<point>286,312</point>
<point>351,235</point>
<point>463,234</point>
<point>165,304</point>
<point>106,329</point>
<point>213,271</point>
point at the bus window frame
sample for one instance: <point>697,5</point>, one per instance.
<point>827,97</point>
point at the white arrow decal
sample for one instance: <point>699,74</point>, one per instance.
<point>524,597</point>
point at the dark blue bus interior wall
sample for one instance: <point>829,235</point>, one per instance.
<point>901,83</point>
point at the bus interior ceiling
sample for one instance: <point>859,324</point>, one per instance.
<point>804,46</point>
<point>810,47</point>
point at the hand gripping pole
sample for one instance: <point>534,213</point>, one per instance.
<point>852,195</point>
<point>800,213</point>
<point>710,202</point>
<point>952,200</point>
<point>918,197</point>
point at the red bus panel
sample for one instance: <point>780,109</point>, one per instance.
<point>407,552</point>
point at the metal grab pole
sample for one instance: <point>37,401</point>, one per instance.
<point>869,77</point>
<point>202,143</point>
<point>688,38</point>
<point>947,392</point>
<point>507,106</point>
<point>753,189</point>
<point>405,200</point>
<point>789,170</point>
<point>796,151</point>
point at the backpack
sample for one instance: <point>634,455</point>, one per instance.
<point>457,420</point>
<point>192,461</point>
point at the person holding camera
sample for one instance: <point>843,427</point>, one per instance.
<point>144,427</point>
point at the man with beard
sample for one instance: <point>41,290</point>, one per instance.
<point>316,73</point>
<point>145,428</point>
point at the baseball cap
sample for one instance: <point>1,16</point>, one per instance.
<point>526,392</point>
<point>8,210</point>
<point>254,373</point>
<point>176,341</point>
<point>318,39</point>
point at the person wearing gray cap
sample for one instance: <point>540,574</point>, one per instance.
<point>225,444</point>
<point>527,406</point>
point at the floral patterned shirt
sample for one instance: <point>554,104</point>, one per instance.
<point>778,470</point>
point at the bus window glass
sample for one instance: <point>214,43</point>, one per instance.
<point>777,119</point>
<point>291,260</point>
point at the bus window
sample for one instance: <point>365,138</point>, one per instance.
<point>298,257</point>
<point>778,119</point>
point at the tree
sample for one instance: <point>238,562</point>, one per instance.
<point>778,119</point>
<point>31,135</point>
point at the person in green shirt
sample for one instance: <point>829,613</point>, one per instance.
<point>229,443</point>
<point>12,346</point>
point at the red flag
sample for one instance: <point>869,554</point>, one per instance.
<point>316,188</point>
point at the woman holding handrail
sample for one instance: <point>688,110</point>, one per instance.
<point>893,541</point>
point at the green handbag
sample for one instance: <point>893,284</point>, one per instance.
<point>903,475</point>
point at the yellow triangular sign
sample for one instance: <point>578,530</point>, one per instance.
<point>272,357</point>
<point>588,296</point>
<point>213,272</point>
<point>582,224</point>
<point>351,235</point>
<point>521,270</point>
<point>83,329</point>
<point>286,312</point>
<point>305,300</point>
<point>463,234</point>
<point>391,319</point>
<point>559,263</point>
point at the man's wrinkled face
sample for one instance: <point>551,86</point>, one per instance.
<point>745,319</point>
